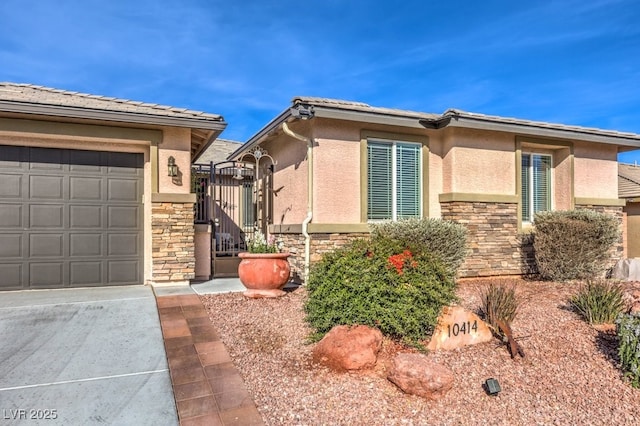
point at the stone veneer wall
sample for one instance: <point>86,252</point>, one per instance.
<point>320,244</point>
<point>495,245</point>
<point>173,251</point>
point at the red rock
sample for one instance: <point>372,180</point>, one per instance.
<point>417,375</point>
<point>458,327</point>
<point>635,309</point>
<point>349,348</point>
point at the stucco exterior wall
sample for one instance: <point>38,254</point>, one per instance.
<point>478,162</point>
<point>336,171</point>
<point>596,170</point>
<point>289,179</point>
<point>176,143</point>
<point>562,179</point>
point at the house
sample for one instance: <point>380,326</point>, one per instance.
<point>339,165</point>
<point>96,190</point>
<point>629,190</point>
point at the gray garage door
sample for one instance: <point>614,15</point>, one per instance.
<point>69,218</point>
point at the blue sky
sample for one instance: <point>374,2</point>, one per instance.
<point>569,61</point>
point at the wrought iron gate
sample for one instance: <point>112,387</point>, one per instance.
<point>235,201</point>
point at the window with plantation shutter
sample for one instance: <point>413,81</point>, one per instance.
<point>536,185</point>
<point>393,180</point>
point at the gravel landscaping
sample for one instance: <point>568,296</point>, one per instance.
<point>570,374</point>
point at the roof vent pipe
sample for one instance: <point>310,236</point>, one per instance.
<point>307,220</point>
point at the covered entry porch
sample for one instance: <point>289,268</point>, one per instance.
<point>233,202</point>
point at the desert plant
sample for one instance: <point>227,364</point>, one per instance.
<point>444,239</point>
<point>499,303</point>
<point>379,283</point>
<point>599,301</point>
<point>628,330</point>
<point>573,244</point>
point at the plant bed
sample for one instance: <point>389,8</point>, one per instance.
<point>569,376</point>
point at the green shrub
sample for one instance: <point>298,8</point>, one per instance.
<point>573,244</point>
<point>628,330</point>
<point>446,240</point>
<point>380,283</point>
<point>499,303</point>
<point>599,302</point>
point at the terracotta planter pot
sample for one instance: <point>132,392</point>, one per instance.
<point>264,274</point>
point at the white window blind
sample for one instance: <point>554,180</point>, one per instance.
<point>536,185</point>
<point>393,180</point>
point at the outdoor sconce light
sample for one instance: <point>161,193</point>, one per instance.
<point>491,387</point>
<point>173,168</point>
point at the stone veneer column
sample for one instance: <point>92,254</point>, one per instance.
<point>173,252</point>
<point>495,245</point>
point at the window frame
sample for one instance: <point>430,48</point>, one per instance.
<point>420,156</point>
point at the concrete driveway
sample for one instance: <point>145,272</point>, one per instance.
<point>83,356</point>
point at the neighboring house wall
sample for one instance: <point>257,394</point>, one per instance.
<point>629,190</point>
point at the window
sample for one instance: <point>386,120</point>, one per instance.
<point>394,176</point>
<point>536,185</point>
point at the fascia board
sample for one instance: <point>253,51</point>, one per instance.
<point>262,134</point>
<point>539,131</point>
<point>115,116</point>
<point>366,117</point>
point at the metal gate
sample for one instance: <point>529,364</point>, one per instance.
<point>234,199</point>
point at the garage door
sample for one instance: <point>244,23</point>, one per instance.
<point>69,218</point>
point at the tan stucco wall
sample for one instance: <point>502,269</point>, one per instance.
<point>596,170</point>
<point>290,179</point>
<point>176,142</point>
<point>478,162</point>
<point>436,174</point>
<point>202,242</point>
<point>562,179</point>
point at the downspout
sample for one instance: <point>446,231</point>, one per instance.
<point>307,220</point>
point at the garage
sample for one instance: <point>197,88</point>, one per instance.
<point>70,218</point>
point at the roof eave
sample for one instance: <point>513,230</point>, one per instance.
<point>329,112</point>
<point>113,116</point>
<point>531,129</point>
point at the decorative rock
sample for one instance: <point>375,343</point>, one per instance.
<point>349,348</point>
<point>458,327</point>
<point>417,375</point>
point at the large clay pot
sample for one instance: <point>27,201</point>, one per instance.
<point>264,274</point>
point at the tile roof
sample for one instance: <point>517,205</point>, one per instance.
<point>218,151</point>
<point>29,94</point>
<point>361,107</point>
<point>538,124</point>
<point>628,180</point>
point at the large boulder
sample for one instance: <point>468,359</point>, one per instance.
<point>349,348</point>
<point>417,375</point>
<point>458,327</point>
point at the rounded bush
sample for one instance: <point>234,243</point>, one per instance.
<point>380,283</point>
<point>574,244</point>
<point>446,240</point>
